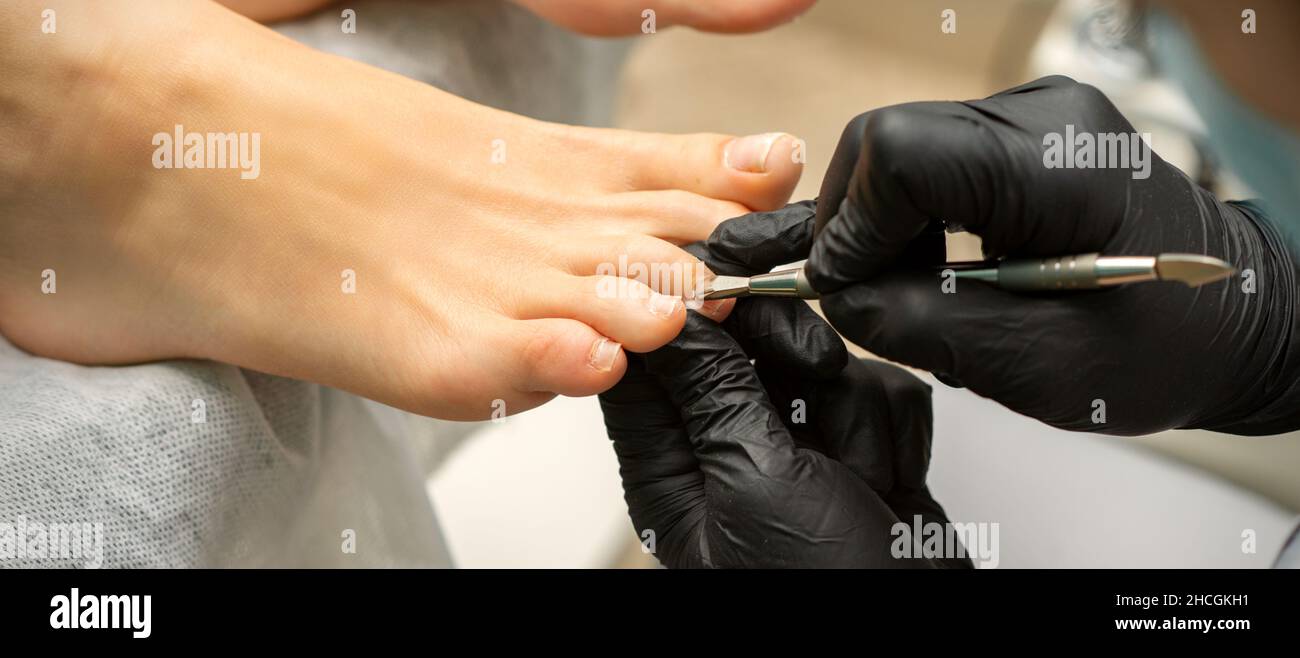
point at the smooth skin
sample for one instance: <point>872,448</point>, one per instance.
<point>475,279</point>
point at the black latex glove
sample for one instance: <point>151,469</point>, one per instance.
<point>1158,355</point>
<point>713,461</point>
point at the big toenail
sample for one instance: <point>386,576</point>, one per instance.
<point>750,153</point>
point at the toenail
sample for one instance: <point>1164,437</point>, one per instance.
<point>663,306</point>
<point>603,353</point>
<point>750,153</point>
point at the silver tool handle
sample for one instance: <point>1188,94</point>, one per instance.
<point>782,283</point>
<point>1064,273</point>
<point>1079,272</point>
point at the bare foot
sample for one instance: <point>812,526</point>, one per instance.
<point>392,240</point>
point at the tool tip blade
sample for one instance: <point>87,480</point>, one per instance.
<point>725,287</point>
<point>1192,269</point>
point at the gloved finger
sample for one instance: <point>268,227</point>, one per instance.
<point>769,504</point>
<point>917,163</point>
<point>797,400</point>
<point>927,247</point>
<point>998,344</point>
<point>760,241</point>
<point>874,417</point>
<point>662,482</point>
<point>839,173</point>
<point>885,436</point>
<point>876,420</point>
<point>929,244</point>
<point>911,420</point>
<point>737,435</point>
<point>638,412</point>
<point>785,334</point>
<point>906,317</point>
<point>977,165</point>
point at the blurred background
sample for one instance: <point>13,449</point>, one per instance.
<point>542,489</point>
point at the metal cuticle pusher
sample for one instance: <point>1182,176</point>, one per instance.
<point>1083,272</point>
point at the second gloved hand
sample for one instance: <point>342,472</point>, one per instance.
<point>811,470</point>
<point>800,458</point>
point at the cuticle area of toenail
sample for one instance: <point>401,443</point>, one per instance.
<point>750,154</point>
<point>663,306</point>
<point>603,354</point>
<point>694,297</point>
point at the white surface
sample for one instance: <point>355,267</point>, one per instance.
<point>1063,499</point>
<point>540,489</point>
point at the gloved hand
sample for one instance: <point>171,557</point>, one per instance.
<point>714,459</point>
<point>1148,357</point>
